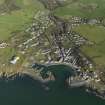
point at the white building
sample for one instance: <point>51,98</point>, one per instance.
<point>14,61</point>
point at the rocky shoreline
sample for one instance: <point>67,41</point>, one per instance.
<point>96,93</point>
<point>16,76</point>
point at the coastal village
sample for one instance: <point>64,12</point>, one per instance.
<point>51,40</point>
<point>53,49</point>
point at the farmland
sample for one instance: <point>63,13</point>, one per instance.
<point>82,8</point>
<point>95,34</point>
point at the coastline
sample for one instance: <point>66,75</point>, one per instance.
<point>9,77</point>
<point>95,92</point>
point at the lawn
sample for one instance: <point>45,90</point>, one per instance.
<point>82,8</point>
<point>94,34</point>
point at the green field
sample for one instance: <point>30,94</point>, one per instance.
<point>13,20</point>
<point>82,8</point>
<point>95,34</point>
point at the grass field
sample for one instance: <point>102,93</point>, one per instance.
<point>95,34</point>
<point>18,19</point>
<point>82,8</point>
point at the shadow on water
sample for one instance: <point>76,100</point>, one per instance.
<point>25,91</point>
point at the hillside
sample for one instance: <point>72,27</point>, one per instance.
<point>93,13</point>
<point>82,8</point>
<point>16,15</point>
